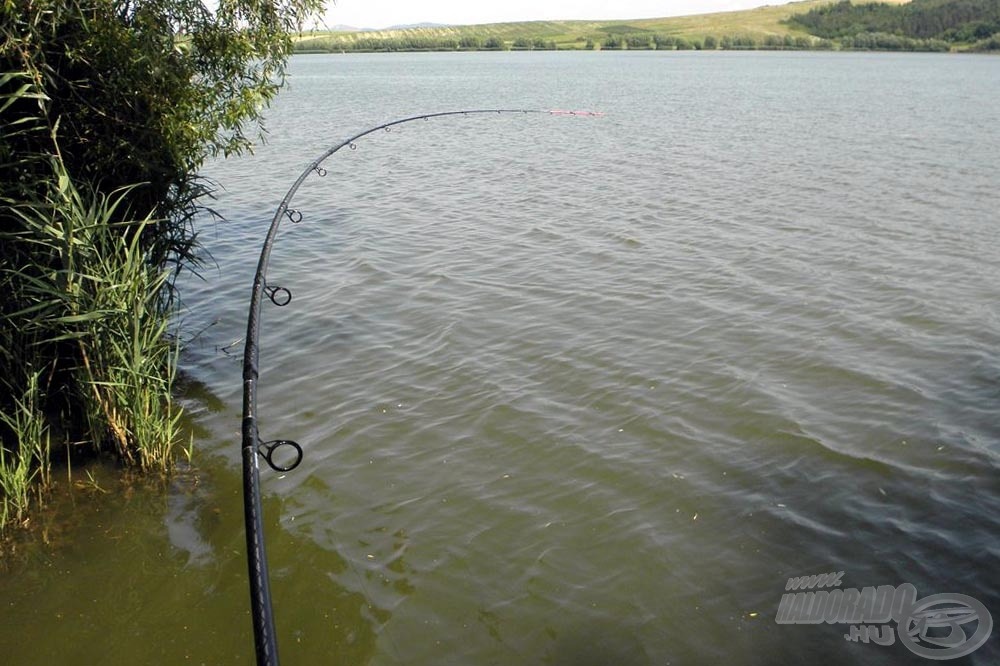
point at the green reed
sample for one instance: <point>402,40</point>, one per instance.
<point>91,331</point>
<point>19,468</point>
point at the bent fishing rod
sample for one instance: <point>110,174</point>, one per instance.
<point>283,455</point>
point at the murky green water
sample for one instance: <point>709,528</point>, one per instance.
<point>577,391</point>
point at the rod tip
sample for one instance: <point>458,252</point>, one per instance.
<point>566,112</point>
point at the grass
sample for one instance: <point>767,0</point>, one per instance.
<point>88,288</point>
<point>758,23</point>
<point>19,468</point>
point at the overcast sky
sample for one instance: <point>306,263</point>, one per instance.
<point>383,13</point>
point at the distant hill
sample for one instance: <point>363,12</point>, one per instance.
<point>340,27</point>
<point>769,27</point>
<point>417,26</point>
<point>347,28</point>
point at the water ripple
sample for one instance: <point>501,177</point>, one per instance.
<point>635,371</point>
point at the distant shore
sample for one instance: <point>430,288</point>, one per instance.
<point>813,25</point>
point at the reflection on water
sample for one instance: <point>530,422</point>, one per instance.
<point>182,520</point>
<point>156,573</point>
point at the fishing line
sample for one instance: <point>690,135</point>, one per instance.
<point>283,455</point>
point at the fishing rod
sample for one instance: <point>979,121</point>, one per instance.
<point>284,455</point>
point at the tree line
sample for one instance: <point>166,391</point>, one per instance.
<point>950,21</point>
<point>881,41</point>
<point>410,43</point>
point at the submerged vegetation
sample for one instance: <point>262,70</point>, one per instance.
<point>895,25</point>
<point>108,110</point>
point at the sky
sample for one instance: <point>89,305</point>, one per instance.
<point>384,13</point>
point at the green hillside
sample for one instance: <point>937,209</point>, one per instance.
<point>758,23</point>
<point>769,27</point>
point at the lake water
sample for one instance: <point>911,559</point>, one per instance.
<point>576,391</point>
